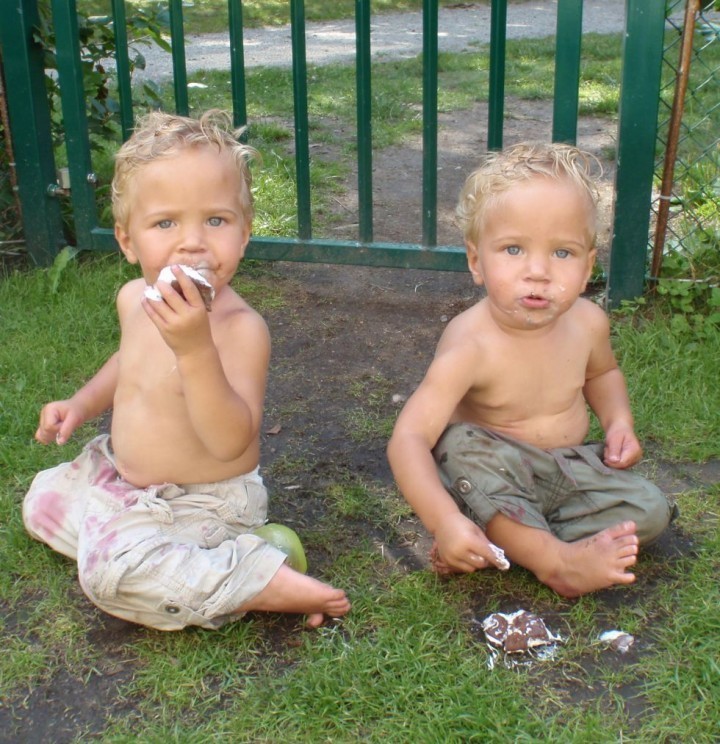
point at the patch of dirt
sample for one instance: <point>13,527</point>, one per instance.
<point>462,141</point>
<point>351,328</point>
<point>354,342</point>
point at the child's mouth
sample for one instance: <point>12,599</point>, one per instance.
<point>534,301</point>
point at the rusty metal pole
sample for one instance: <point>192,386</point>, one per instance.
<point>691,10</point>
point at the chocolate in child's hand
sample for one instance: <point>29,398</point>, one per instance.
<point>207,291</point>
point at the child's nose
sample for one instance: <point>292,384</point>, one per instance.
<point>537,267</point>
<point>193,238</point>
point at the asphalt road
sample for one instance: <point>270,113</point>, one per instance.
<point>394,35</point>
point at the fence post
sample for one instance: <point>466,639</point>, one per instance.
<point>496,92</point>
<point>75,122</point>
<point>637,132</point>
<point>29,115</point>
<point>430,123</point>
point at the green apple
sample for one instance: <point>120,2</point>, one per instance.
<point>285,539</point>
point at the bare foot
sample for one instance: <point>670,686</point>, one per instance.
<point>290,591</point>
<point>594,563</point>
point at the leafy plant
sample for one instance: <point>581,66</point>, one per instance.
<point>60,263</point>
<point>97,45</point>
<point>690,280</point>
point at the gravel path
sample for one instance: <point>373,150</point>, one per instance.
<point>395,35</point>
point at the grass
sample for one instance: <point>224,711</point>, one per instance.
<point>651,358</point>
<point>396,107</point>
<point>408,664</point>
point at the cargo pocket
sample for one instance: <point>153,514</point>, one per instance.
<point>248,503</point>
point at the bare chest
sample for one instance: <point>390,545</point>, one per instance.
<point>529,380</point>
<point>147,366</point>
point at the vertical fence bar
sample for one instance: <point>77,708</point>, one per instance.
<point>29,117</point>
<point>77,139</point>
<point>122,66</point>
<point>302,147</point>
<point>237,63</point>
<point>496,96</point>
<point>637,131</point>
<point>177,42</point>
<point>364,119</point>
<point>430,102</point>
<point>568,41</point>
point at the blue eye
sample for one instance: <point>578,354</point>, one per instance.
<point>513,250</point>
<point>215,221</point>
<point>164,224</point>
<point>562,253</point>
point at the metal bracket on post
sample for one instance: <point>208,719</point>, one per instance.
<point>61,187</point>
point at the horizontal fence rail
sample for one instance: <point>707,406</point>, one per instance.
<point>642,55</point>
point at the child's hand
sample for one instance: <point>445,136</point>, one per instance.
<point>58,420</point>
<point>622,449</point>
<point>182,321</point>
<point>462,546</point>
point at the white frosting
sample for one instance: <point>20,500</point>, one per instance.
<point>168,277</point>
<point>152,294</point>
<point>502,562</point>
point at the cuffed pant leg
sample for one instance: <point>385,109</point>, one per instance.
<point>603,500</point>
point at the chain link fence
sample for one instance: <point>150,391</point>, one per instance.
<point>687,206</point>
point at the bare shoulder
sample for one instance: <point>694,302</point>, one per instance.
<point>463,354</point>
<point>234,320</point>
<point>591,317</point>
<point>130,295</point>
<point>469,331</point>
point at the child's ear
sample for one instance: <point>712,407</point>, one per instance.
<point>123,239</point>
<point>244,241</point>
<point>473,262</point>
<point>592,255</point>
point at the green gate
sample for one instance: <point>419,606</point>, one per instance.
<point>39,188</point>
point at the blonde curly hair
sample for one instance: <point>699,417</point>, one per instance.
<point>521,162</point>
<point>159,135</point>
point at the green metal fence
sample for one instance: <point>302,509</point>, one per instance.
<point>38,187</point>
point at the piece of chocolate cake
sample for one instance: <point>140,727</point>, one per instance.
<point>517,632</point>
<point>207,292</point>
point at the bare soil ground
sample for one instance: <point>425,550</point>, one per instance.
<point>348,339</point>
<point>462,140</point>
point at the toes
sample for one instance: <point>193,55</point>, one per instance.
<point>622,529</point>
<point>335,609</point>
<point>315,620</point>
<point>625,578</point>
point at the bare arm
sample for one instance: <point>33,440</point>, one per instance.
<point>224,396</point>
<point>59,419</point>
<point>223,379</point>
<point>606,393</point>
<point>461,543</point>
